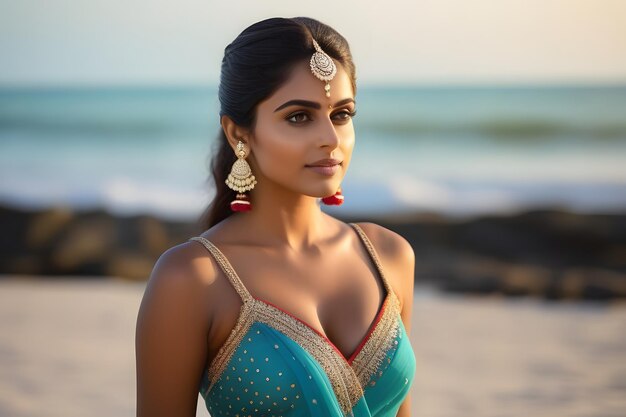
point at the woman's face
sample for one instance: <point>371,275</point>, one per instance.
<point>297,126</point>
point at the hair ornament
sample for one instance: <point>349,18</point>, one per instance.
<point>322,66</point>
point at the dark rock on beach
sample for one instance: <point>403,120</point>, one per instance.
<point>548,253</point>
<point>62,242</point>
<point>553,254</point>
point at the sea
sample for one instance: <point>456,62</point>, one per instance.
<point>460,151</point>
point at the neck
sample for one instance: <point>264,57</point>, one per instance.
<point>282,218</point>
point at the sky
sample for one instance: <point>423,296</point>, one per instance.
<point>119,42</point>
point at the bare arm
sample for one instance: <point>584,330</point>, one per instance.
<point>170,338</point>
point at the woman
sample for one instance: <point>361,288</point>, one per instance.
<point>278,308</point>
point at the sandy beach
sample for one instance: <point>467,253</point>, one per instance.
<point>67,349</point>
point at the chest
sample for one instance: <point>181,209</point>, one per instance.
<point>339,297</point>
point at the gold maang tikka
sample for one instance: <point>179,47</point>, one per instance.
<point>322,66</point>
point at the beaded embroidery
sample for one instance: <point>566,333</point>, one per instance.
<point>347,379</point>
<point>370,357</point>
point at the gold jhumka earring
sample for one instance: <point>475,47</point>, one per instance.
<point>241,180</point>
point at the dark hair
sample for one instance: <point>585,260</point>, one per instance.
<point>255,65</point>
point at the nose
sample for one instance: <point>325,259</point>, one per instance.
<point>328,134</point>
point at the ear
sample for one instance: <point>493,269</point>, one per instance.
<point>234,133</point>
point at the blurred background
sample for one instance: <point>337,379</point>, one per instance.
<point>491,134</point>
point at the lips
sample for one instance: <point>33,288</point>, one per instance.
<point>327,167</point>
<point>328,162</point>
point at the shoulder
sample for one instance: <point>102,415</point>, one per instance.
<point>389,244</point>
<point>184,266</point>
<point>396,256</point>
<point>183,275</point>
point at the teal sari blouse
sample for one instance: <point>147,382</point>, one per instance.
<point>275,364</point>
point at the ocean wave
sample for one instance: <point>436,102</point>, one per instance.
<point>497,128</point>
<point>121,195</point>
<point>112,128</point>
<point>401,194</point>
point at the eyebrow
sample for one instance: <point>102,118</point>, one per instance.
<point>312,104</point>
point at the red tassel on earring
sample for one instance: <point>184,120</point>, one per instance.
<point>241,203</point>
<point>334,200</point>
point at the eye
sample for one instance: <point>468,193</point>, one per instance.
<point>296,116</point>
<point>346,115</point>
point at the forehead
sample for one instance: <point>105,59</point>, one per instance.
<point>302,84</point>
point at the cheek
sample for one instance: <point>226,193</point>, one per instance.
<point>347,160</point>
<point>279,150</point>
<point>347,138</point>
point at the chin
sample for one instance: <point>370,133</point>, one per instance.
<point>329,192</point>
<point>322,193</point>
